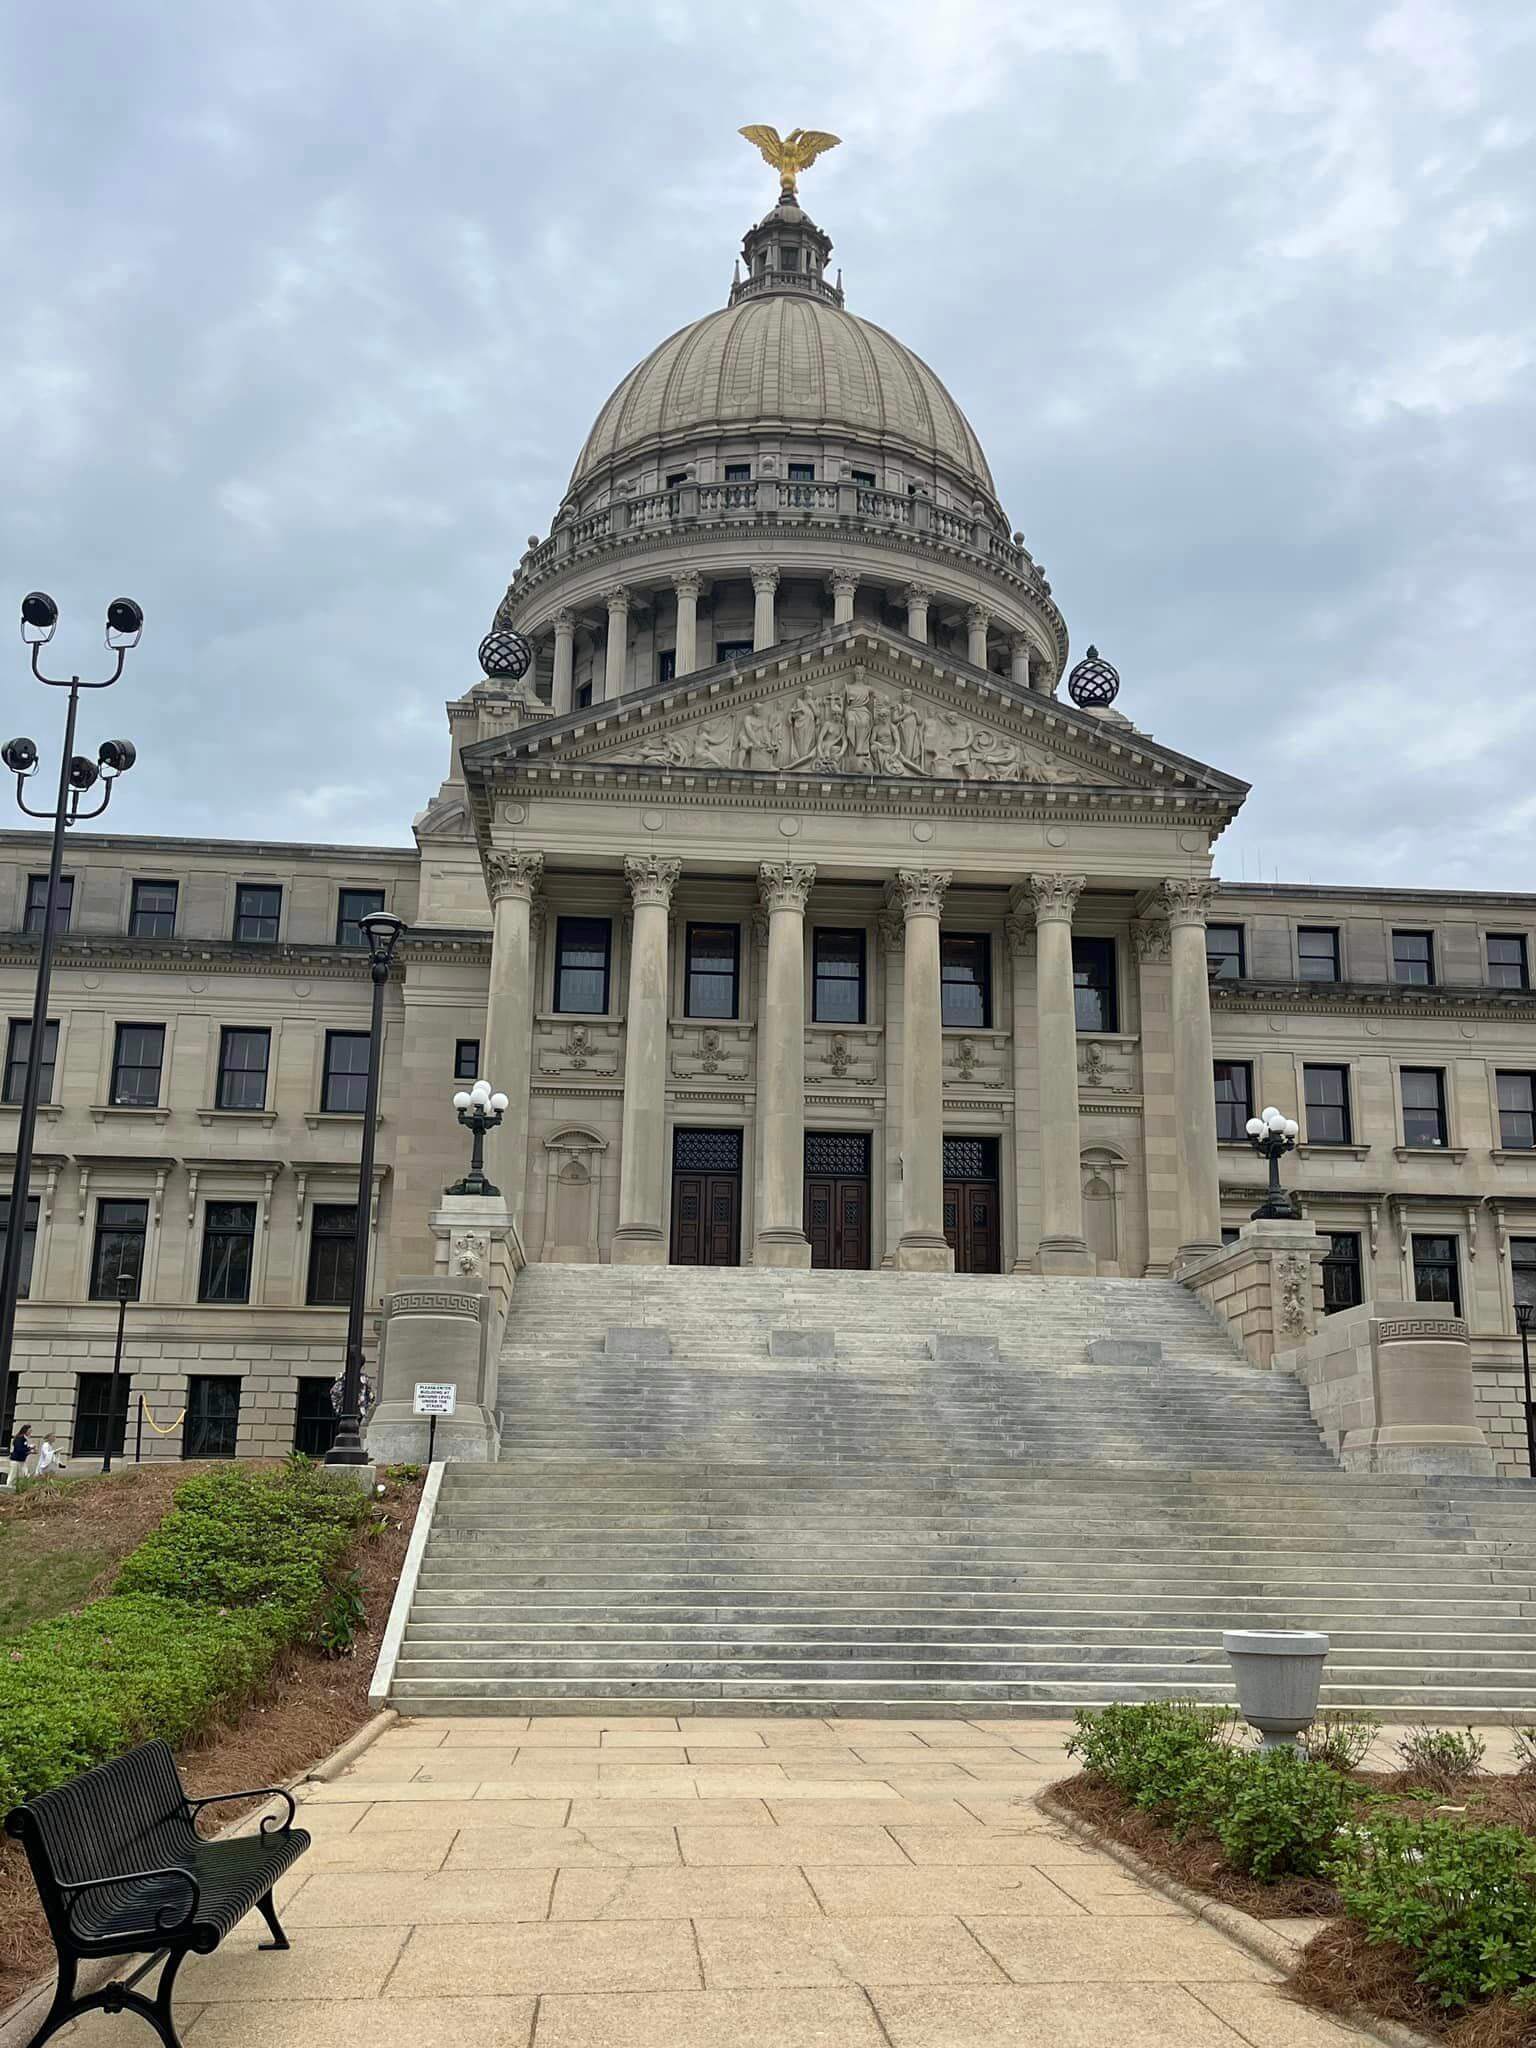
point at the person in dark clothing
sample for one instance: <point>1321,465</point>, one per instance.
<point>21,1451</point>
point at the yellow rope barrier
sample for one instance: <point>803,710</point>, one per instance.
<point>149,1417</point>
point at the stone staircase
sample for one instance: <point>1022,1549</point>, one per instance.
<point>875,1532</point>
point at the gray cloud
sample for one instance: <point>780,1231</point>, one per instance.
<point>311,308</point>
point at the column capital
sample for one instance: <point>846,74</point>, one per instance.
<point>617,597</point>
<point>916,593</point>
<point>765,580</point>
<point>538,917</point>
<point>651,879</point>
<point>890,923</point>
<point>977,615</point>
<point>842,583</point>
<point>920,891</point>
<point>564,620</point>
<point>1019,936</point>
<point>690,583</point>
<point>513,875</point>
<point>1150,937</point>
<point>1020,646</point>
<point>1052,897</point>
<point>785,884</point>
<point>1186,901</point>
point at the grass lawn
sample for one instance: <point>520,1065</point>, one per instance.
<point>62,1540</point>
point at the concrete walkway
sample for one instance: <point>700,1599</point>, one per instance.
<point>654,1883</point>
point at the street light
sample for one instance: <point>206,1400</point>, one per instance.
<point>1525,1315</point>
<point>480,1109</point>
<point>78,775</point>
<point>1272,1136</point>
<point>126,1283</point>
<point>382,932</point>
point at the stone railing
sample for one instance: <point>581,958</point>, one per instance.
<point>1267,1288</point>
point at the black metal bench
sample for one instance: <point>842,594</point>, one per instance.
<point>120,1869</point>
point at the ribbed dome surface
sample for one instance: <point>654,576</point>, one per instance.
<point>785,360</point>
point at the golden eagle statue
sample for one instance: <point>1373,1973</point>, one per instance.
<point>792,153</point>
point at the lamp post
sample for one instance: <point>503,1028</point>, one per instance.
<point>480,1110</point>
<point>1272,1136</point>
<point>78,774</point>
<point>125,1287</point>
<point>1525,1315</point>
<point>382,931</point>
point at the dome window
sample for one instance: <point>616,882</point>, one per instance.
<point>738,472</point>
<point>866,477</point>
<point>789,257</point>
<point>802,472</point>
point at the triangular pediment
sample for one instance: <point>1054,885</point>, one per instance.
<point>852,705</point>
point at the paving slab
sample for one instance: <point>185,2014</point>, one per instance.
<point>1260,2015</point>
<point>667,1811</point>
<point>933,1949</point>
<point>508,1810</point>
<point>984,1845</point>
<point>823,2018</point>
<point>941,1889</point>
<point>1055,2016</point>
<point>791,1844</point>
<point>892,1811</point>
<point>568,1955</point>
<point>356,1960</point>
<point>358,1898</point>
<point>1114,1949</point>
<point>410,1849</point>
<point>338,2023</point>
<point>595,1848</point>
<point>681,1894</point>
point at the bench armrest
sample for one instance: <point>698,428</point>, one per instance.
<point>271,1824</point>
<point>163,1924</point>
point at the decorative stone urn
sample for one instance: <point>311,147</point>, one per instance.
<point>1279,1674</point>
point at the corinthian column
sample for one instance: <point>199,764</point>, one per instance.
<point>617,650</point>
<point>764,629</point>
<point>1194,1089</point>
<point>917,611</point>
<point>565,662</point>
<point>512,880</point>
<point>1018,656</point>
<point>687,587</point>
<point>1053,899</point>
<point>977,620</point>
<point>641,1237</point>
<point>780,1240</point>
<point>844,588</point>
<point>923,1247</point>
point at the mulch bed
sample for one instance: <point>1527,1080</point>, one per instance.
<point>1340,1972</point>
<point>309,1706</point>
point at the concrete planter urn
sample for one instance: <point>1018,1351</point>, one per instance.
<point>1279,1674</point>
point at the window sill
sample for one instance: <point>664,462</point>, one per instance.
<point>1456,1152</point>
<point>48,1109</point>
<point>1322,1151</point>
<point>316,1118</point>
<point>1514,1155</point>
<point>155,1112</point>
<point>208,1117</point>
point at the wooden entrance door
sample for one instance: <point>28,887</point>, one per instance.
<point>706,1198</point>
<point>971,1220</point>
<point>837,1198</point>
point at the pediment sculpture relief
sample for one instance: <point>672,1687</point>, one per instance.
<point>855,729</point>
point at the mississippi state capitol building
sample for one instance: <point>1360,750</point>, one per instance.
<point>812,904</point>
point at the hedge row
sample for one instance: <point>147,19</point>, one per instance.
<point>236,1572</point>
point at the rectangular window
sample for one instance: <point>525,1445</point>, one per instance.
<point>837,976</point>
<point>584,697</point>
<point>352,906</point>
<point>738,472</point>
<point>28,1237</point>
<point>243,1057</point>
<point>1423,1106</point>
<point>802,472</point>
<point>1413,958</point>
<point>466,1059</point>
<point>152,914</point>
<point>314,1419</point>
<point>1317,952</point>
<point>213,1417</point>
<point>1343,1282</point>
<point>789,258</point>
<point>258,906</point>
<point>1230,1233</point>
<point>1522,1268</point>
<point>1436,1271</point>
<point>18,1047</point>
<point>583,965</point>
<point>965,980</point>
<point>229,1246</point>
<point>1093,975</point>
<point>118,1253</point>
<point>10,1387</point>
<point>101,1423</point>
<point>1517,1111</point>
<point>676,478</point>
<point>332,1244</point>
<point>1327,1098</point>
<point>345,1088</point>
<point>726,650</point>
<point>666,665</point>
<point>1234,1100</point>
<point>713,956</point>
<point>37,898</point>
<point>1224,952</point>
<point>866,477</point>
<point>1507,966</point>
<point>137,1058</point>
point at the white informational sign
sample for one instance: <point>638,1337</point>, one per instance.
<point>435,1397</point>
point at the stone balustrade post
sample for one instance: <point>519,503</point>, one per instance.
<point>780,1238</point>
<point>641,1236</point>
<point>923,1247</point>
<point>1053,898</point>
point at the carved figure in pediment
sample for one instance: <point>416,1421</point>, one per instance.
<point>832,733</point>
<point>757,739</point>
<point>911,729</point>
<point>994,758</point>
<point>959,742</point>
<point>712,744</point>
<point>666,753</point>
<point>936,757</point>
<point>802,729</point>
<point>885,741</point>
<point>858,719</point>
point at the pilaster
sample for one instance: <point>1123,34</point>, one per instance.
<point>512,880</point>
<point>1053,899</point>
<point>765,583</point>
<point>923,1247</point>
<point>617,650</point>
<point>784,887</point>
<point>641,1236</point>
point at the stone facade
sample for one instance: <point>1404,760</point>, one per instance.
<point>786,849</point>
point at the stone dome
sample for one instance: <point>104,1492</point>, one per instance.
<point>786,361</point>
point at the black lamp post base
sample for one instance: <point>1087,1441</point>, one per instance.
<point>475,1184</point>
<point>1276,1209</point>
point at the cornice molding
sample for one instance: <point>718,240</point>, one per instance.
<point>212,956</point>
<point>1367,999</point>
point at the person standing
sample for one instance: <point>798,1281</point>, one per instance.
<point>48,1459</point>
<point>21,1451</point>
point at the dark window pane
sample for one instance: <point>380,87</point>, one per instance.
<point>466,1059</point>
<point>712,969</point>
<point>1522,1266</point>
<point>738,472</point>
<point>724,649</point>
<point>1423,1106</point>
<point>1506,961</point>
<point>153,913</point>
<point>10,1387</point>
<point>229,1242</point>
<point>18,1046</point>
<point>965,977</point>
<point>866,477</point>
<point>346,1073</point>
<point>28,1237</point>
<point>118,1253</point>
<point>136,1063</point>
<point>258,906</point>
<point>1234,1100</point>
<point>802,472</point>
<point>213,1418</point>
<point>332,1244</point>
<point>1317,952</point>
<point>1413,958</point>
<point>838,976</point>
<point>101,1422</point>
<point>37,897</point>
<point>1436,1271</point>
<point>583,954</point>
<point>1093,974</point>
<point>1343,1284</point>
<point>1517,1111</point>
<point>352,906</point>
<point>314,1421</point>
<point>243,1059</point>
<point>1327,1099</point>
<point>666,665</point>
<point>1224,951</point>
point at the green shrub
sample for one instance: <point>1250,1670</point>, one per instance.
<point>1341,1741</point>
<point>1440,1757</point>
<point>1168,1757</point>
<point>1461,1900</point>
<point>238,1538</point>
<point>341,1615</point>
<point>1281,1814</point>
<point>1525,1751</point>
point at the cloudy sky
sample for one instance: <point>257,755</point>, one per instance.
<point>308,309</point>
